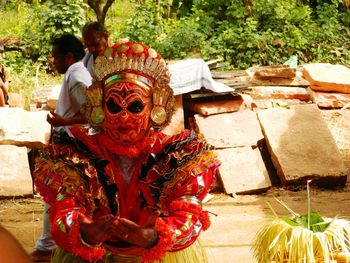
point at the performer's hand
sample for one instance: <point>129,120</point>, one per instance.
<point>55,120</point>
<point>135,234</point>
<point>98,231</point>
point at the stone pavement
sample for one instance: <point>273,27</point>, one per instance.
<point>230,236</point>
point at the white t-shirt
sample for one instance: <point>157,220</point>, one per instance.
<point>72,95</point>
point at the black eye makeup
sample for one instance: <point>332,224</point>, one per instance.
<point>136,106</point>
<point>113,107</point>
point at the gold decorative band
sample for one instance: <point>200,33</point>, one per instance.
<point>144,82</point>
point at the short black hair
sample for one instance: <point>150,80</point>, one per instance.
<point>69,43</point>
<point>96,26</point>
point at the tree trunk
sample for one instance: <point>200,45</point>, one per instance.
<point>168,7</point>
<point>159,15</point>
<point>100,11</point>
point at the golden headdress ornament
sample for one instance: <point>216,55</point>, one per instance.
<point>132,62</point>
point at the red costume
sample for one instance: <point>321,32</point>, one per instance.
<point>149,182</point>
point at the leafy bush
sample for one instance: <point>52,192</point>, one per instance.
<point>51,20</point>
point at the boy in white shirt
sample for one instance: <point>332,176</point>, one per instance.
<point>68,51</point>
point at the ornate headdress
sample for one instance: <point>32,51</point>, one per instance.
<point>136,63</point>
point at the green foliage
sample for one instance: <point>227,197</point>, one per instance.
<point>51,20</point>
<point>119,12</point>
<point>182,39</point>
<point>317,223</point>
<point>36,25</point>
<point>14,17</point>
<point>278,29</point>
<point>175,39</point>
<point>21,75</point>
<point>269,33</point>
<point>144,25</point>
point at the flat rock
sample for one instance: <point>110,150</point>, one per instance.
<point>339,124</point>
<point>230,129</point>
<point>328,77</point>
<point>301,145</point>
<point>273,81</point>
<point>16,100</point>
<point>15,178</point>
<point>280,92</point>
<point>275,71</point>
<point>53,97</point>
<point>24,128</point>
<point>330,100</point>
<point>207,108</point>
<point>273,103</point>
<point>243,171</point>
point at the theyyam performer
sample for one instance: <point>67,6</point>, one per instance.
<point>121,190</point>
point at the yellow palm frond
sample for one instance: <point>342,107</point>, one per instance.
<point>280,242</point>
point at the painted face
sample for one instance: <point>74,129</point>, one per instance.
<point>127,109</point>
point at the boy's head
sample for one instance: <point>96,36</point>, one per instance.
<point>66,50</point>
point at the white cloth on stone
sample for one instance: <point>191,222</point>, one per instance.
<point>193,74</point>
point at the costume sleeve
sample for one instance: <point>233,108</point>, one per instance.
<point>181,198</point>
<point>62,188</point>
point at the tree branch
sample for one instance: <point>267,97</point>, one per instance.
<point>105,10</point>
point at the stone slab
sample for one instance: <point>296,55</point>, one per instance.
<point>230,237</point>
<point>15,178</point>
<point>330,100</point>
<point>230,129</point>
<point>177,124</point>
<point>53,97</point>
<point>16,100</point>
<point>273,103</point>
<point>339,124</point>
<point>328,77</point>
<point>301,145</point>
<point>24,128</point>
<point>275,71</point>
<point>243,171</point>
<point>280,92</point>
<point>44,93</point>
<point>295,82</point>
<point>215,107</point>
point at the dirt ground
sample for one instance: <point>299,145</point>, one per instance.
<point>234,226</point>
<point>231,234</point>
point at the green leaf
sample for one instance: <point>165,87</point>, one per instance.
<point>317,223</point>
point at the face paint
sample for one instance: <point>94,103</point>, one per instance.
<point>127,108</point>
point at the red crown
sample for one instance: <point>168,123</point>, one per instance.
<point>126,56</point>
